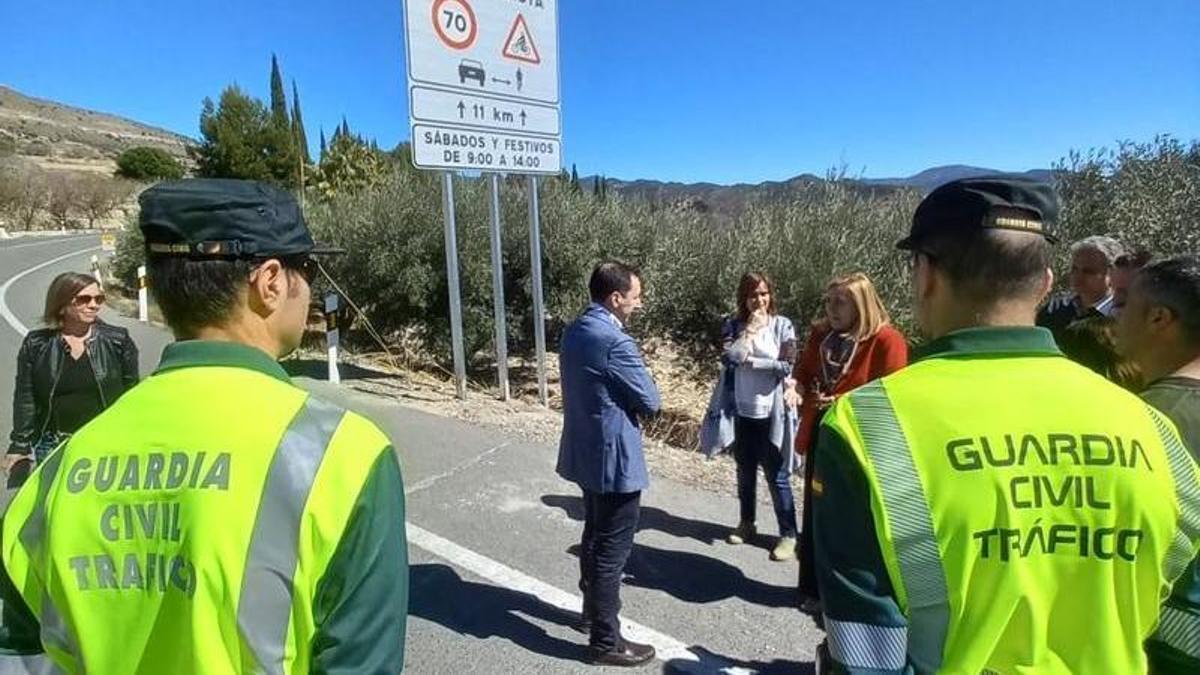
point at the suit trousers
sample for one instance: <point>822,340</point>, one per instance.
<point>610,520</point>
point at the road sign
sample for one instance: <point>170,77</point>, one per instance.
<point>484,72</point>
<point>437,147</point>
<point>485,112</point>
<point>108,242</point>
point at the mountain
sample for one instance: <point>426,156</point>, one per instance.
<point>929,179</point>
<point>731,199</point>
<point>59,137</point>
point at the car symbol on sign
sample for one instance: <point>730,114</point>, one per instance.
<point>471,70</point>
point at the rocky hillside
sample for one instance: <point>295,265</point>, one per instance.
<point>59,137</point>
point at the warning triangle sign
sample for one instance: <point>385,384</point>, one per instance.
<point>519,45</point>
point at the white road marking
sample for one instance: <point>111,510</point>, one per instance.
<point>669,649</point>
<point>44,242</point>
<point>5,312</point>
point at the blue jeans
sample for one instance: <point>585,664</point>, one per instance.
<point>609,523</point>
<point>753,448</point>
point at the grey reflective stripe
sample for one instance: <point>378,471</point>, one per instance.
<point>908,514</point>
<point>1187,491</point>
<point>861,645</point>
<point>54,631</point>
<point>56,634</point>
<point>265,602</point>
<point>33,531</point>
<point>1180,630</point>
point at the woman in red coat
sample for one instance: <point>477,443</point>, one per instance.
<point>851,345</point>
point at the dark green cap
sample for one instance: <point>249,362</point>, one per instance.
<point>223,218</point>
<point>986,203</point>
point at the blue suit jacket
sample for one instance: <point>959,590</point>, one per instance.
<point>606,387</point>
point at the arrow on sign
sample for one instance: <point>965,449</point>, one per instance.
<point>523,117</point>
<point>462,109</point>
<point>520,79</point>
<point>508,82</point>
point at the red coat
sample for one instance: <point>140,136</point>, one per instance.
<point>883,354</point>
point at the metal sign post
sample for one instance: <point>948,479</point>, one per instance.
<point>456,330</point>
<point>483,95</point>
<point>539,310</point>
<point>498,289</point>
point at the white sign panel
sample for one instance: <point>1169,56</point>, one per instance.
<point>436,147</point>
<point>487,69</point>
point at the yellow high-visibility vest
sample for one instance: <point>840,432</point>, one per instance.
<point>171,536</point>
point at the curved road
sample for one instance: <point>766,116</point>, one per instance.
<point>492,531</point>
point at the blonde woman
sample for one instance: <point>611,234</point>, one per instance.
<point>852,344</point>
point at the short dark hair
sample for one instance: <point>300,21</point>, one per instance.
<point>1174,283</point>
<point>991,265</point>
<point>611,277</point>
<point>62,292</point>
<point>194,293</point>
<point>1135,259</point>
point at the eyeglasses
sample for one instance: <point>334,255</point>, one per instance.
<point>83,300</point>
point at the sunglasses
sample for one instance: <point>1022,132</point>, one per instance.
<point>308,268</point>
<point>83,300</point>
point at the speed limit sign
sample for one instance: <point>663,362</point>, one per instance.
<point>455,24</point>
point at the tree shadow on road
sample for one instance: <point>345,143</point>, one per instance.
<point>439,594</point>
<point>776,667</point>
<point>650,519</point>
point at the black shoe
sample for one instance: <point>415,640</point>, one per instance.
<point>628,655</point>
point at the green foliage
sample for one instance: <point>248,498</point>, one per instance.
<point>348,166</point>
<point>130,253</point>
<point>1144,194</point>
<point>148,164</point>
<point>395,267</point>
<point>240,140</point>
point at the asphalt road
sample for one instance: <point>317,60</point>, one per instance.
<point>492,532</point>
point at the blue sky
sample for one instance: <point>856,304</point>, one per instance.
<point>674,89</point>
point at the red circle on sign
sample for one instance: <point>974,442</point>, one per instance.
<point>450,42</point>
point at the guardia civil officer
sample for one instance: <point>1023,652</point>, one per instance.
<point>216,519</point>
<point>995,507</point>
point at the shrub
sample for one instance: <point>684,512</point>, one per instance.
<point>148,164</point>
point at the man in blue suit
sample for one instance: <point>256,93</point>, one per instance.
<point>606,389</point>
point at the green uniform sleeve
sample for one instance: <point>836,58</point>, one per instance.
<point>867,632</point>
<point>362,601</point>
<point>19,629</point>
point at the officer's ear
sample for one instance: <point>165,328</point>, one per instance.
<point>1047,285</point>
<point>1159,318</point>
<point>268,287</point>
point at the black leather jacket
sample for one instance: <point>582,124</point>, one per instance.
<point>114,359</point>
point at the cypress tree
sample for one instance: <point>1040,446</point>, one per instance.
<point>574,178</point>
<point>298,125</point>
<point>279,111</point>
<point>324,147</point>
